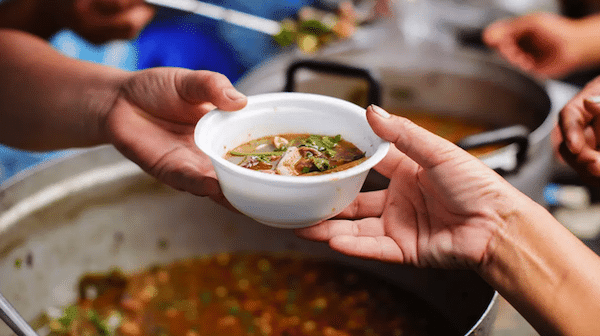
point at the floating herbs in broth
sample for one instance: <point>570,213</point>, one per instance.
<point>297,154</point>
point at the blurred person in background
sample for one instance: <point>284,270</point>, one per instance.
<point>548,45</point>
<point>50,101</point>
<point>96,21</point>
<point>567,48</point>
<point>132,35</point>
<point>175,38</point>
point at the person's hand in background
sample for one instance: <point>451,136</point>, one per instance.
<point>578,135</point>
<point>546,44</point>
<point>57,102</point>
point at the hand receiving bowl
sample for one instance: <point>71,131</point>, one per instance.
<point>288,201</point>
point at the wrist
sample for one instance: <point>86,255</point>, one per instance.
<point>101,99</point>
<point>543,270</point>
<point>517,228</point>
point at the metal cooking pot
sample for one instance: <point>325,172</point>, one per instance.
<point>96,210</point>
<point>467,85</point>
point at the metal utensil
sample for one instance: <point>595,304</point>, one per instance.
<point>253,22</point>
<point>14,320</point>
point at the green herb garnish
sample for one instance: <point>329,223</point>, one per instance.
<point>320,163</point>
<point>323,144</point>
<point>276,153</point>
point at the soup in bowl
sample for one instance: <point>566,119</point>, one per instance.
<point>291,200</point>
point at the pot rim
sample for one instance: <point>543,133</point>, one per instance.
<point>110,171</point>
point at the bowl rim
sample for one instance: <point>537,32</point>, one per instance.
<point>381,148</point>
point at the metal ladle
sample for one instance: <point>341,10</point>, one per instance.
<point>241,19</point>
<point>14,320</point>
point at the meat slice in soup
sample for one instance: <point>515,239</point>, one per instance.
<point>297,154</point>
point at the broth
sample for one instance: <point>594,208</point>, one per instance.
<point>449,128</point>
<point>297,154</point>
<point>247,294</point>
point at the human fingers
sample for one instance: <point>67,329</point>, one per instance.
<point>423,147</point>
<point>393,158</point>
<point>198,87</point>
<point>514,41</point>
<point>324,231</point>
<point>511,47</point>
<point>381,248</point>
<point>162,149</point>
<point>494,33</point>
<point>592,105</point>
<point>180,95</point>
<point>366,204</point>
<point>364,238</point>
<point>587,164</point>
<point>188,169</point>
<point>573,119</point>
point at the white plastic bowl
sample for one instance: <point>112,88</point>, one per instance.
<point>288,201</point>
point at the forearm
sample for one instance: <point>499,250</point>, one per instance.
<point>48,100</point>
<point>545,272</point>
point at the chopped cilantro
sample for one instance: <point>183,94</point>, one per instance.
<point>324,144</point>
<point>263,158</point>
<point>275,153</point>
<point>322,164</point>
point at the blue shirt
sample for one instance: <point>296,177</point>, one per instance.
<point>192,41</point>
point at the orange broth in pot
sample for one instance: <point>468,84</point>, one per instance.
<point>449,128</point>
<point>256,294</point>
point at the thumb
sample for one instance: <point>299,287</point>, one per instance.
<point>425,148</point>
<point>494,33</point>
<point>198,87</point>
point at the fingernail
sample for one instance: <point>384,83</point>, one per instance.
<point>234,94</point>
<point>595,99</point>
<point>382,113</point>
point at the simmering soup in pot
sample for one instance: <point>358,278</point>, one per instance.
<point>297,154</point>
<point>247,294</point>
<point>449,128</point>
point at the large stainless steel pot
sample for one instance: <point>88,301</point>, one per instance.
<point>96,210</point>
<point>376,67</point>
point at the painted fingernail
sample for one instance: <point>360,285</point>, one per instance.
<point>594,99</point>
<point>234,94</point>
<point>382,113</point>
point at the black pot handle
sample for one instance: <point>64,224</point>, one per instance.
<point>517,134</point>
<point>374,95</point>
